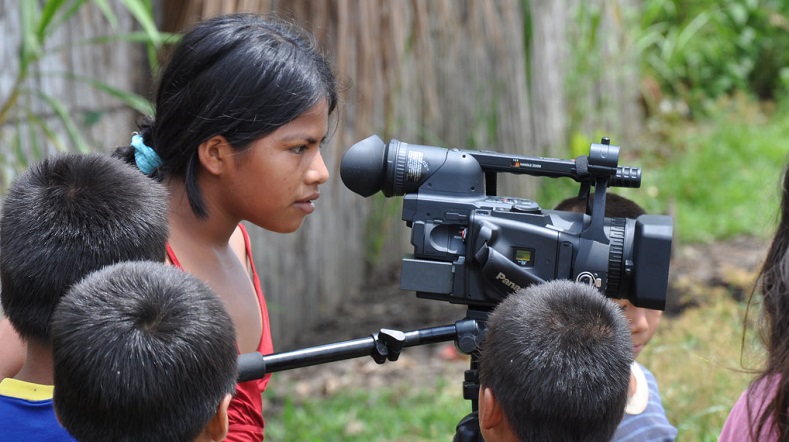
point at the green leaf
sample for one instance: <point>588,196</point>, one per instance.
<point>108,13</point>
<point>30,47</point>
<point>62,17</point>
<point>142,12</point>
<point>131,99</point>
<point>34,144</point>
<point>19,150</point>
<point>129,37</point>
<point>49,134</point>
<point>49,12</point>
<point>91,118</point>
<point>68,123</point>
<point>689,32</point>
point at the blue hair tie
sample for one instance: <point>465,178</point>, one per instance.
<point>146,158</point>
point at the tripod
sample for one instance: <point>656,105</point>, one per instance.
<point>385,346</point>
<point>467,430</point>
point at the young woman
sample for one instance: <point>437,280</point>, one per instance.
<point>242,110</point>
<point>760,413</point>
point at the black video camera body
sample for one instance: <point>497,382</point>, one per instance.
<point>473,247</point>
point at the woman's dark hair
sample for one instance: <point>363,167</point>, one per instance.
<point>773,283</point>
<point>240,76</point>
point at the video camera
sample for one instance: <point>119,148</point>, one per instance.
<point>473,247</point>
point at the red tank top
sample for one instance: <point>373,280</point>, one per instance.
<point>246,408</point>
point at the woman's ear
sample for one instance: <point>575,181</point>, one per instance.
<point>215,154</point>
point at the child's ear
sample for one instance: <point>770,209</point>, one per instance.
<point>490,414</point>
<point>216,430</point>
<point>215,154</point>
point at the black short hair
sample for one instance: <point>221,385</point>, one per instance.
<point>66,216</point>
<point>142,351</point>
<point>241,76</point>
<point>616,206</point>
<point>557,357</point>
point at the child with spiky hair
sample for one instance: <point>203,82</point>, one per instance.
<point>143,351</point>
<point>645,418</point>
<point>63,218</point>
<point>554,366</point>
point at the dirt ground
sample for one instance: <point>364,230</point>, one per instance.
<point>696,272</point>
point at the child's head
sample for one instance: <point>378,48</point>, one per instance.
<point>616,206</point>
<point>643,321</point>
<point>143,351</point>
<point>554,365</point>
<point>66,216</point>
<point>240,77</point>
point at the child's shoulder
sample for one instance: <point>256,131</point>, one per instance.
<point>647,373</point>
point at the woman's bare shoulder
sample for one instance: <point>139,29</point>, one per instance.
<point>238,245</point>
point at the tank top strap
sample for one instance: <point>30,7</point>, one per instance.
<point>250,262</point>
<point>266,345</point>
<point>172,257</point>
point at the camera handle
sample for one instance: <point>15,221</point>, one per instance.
<point>382,346</point>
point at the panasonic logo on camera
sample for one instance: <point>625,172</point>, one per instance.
<point>503,278</point>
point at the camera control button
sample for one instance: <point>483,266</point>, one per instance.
<point>525,207</point>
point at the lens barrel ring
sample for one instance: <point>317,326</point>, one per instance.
<point>616,255</point>
<point>399,169</point>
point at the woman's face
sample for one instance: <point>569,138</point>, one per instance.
<point>276,180</point>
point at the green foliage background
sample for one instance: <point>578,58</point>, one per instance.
<point>700,50</point>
